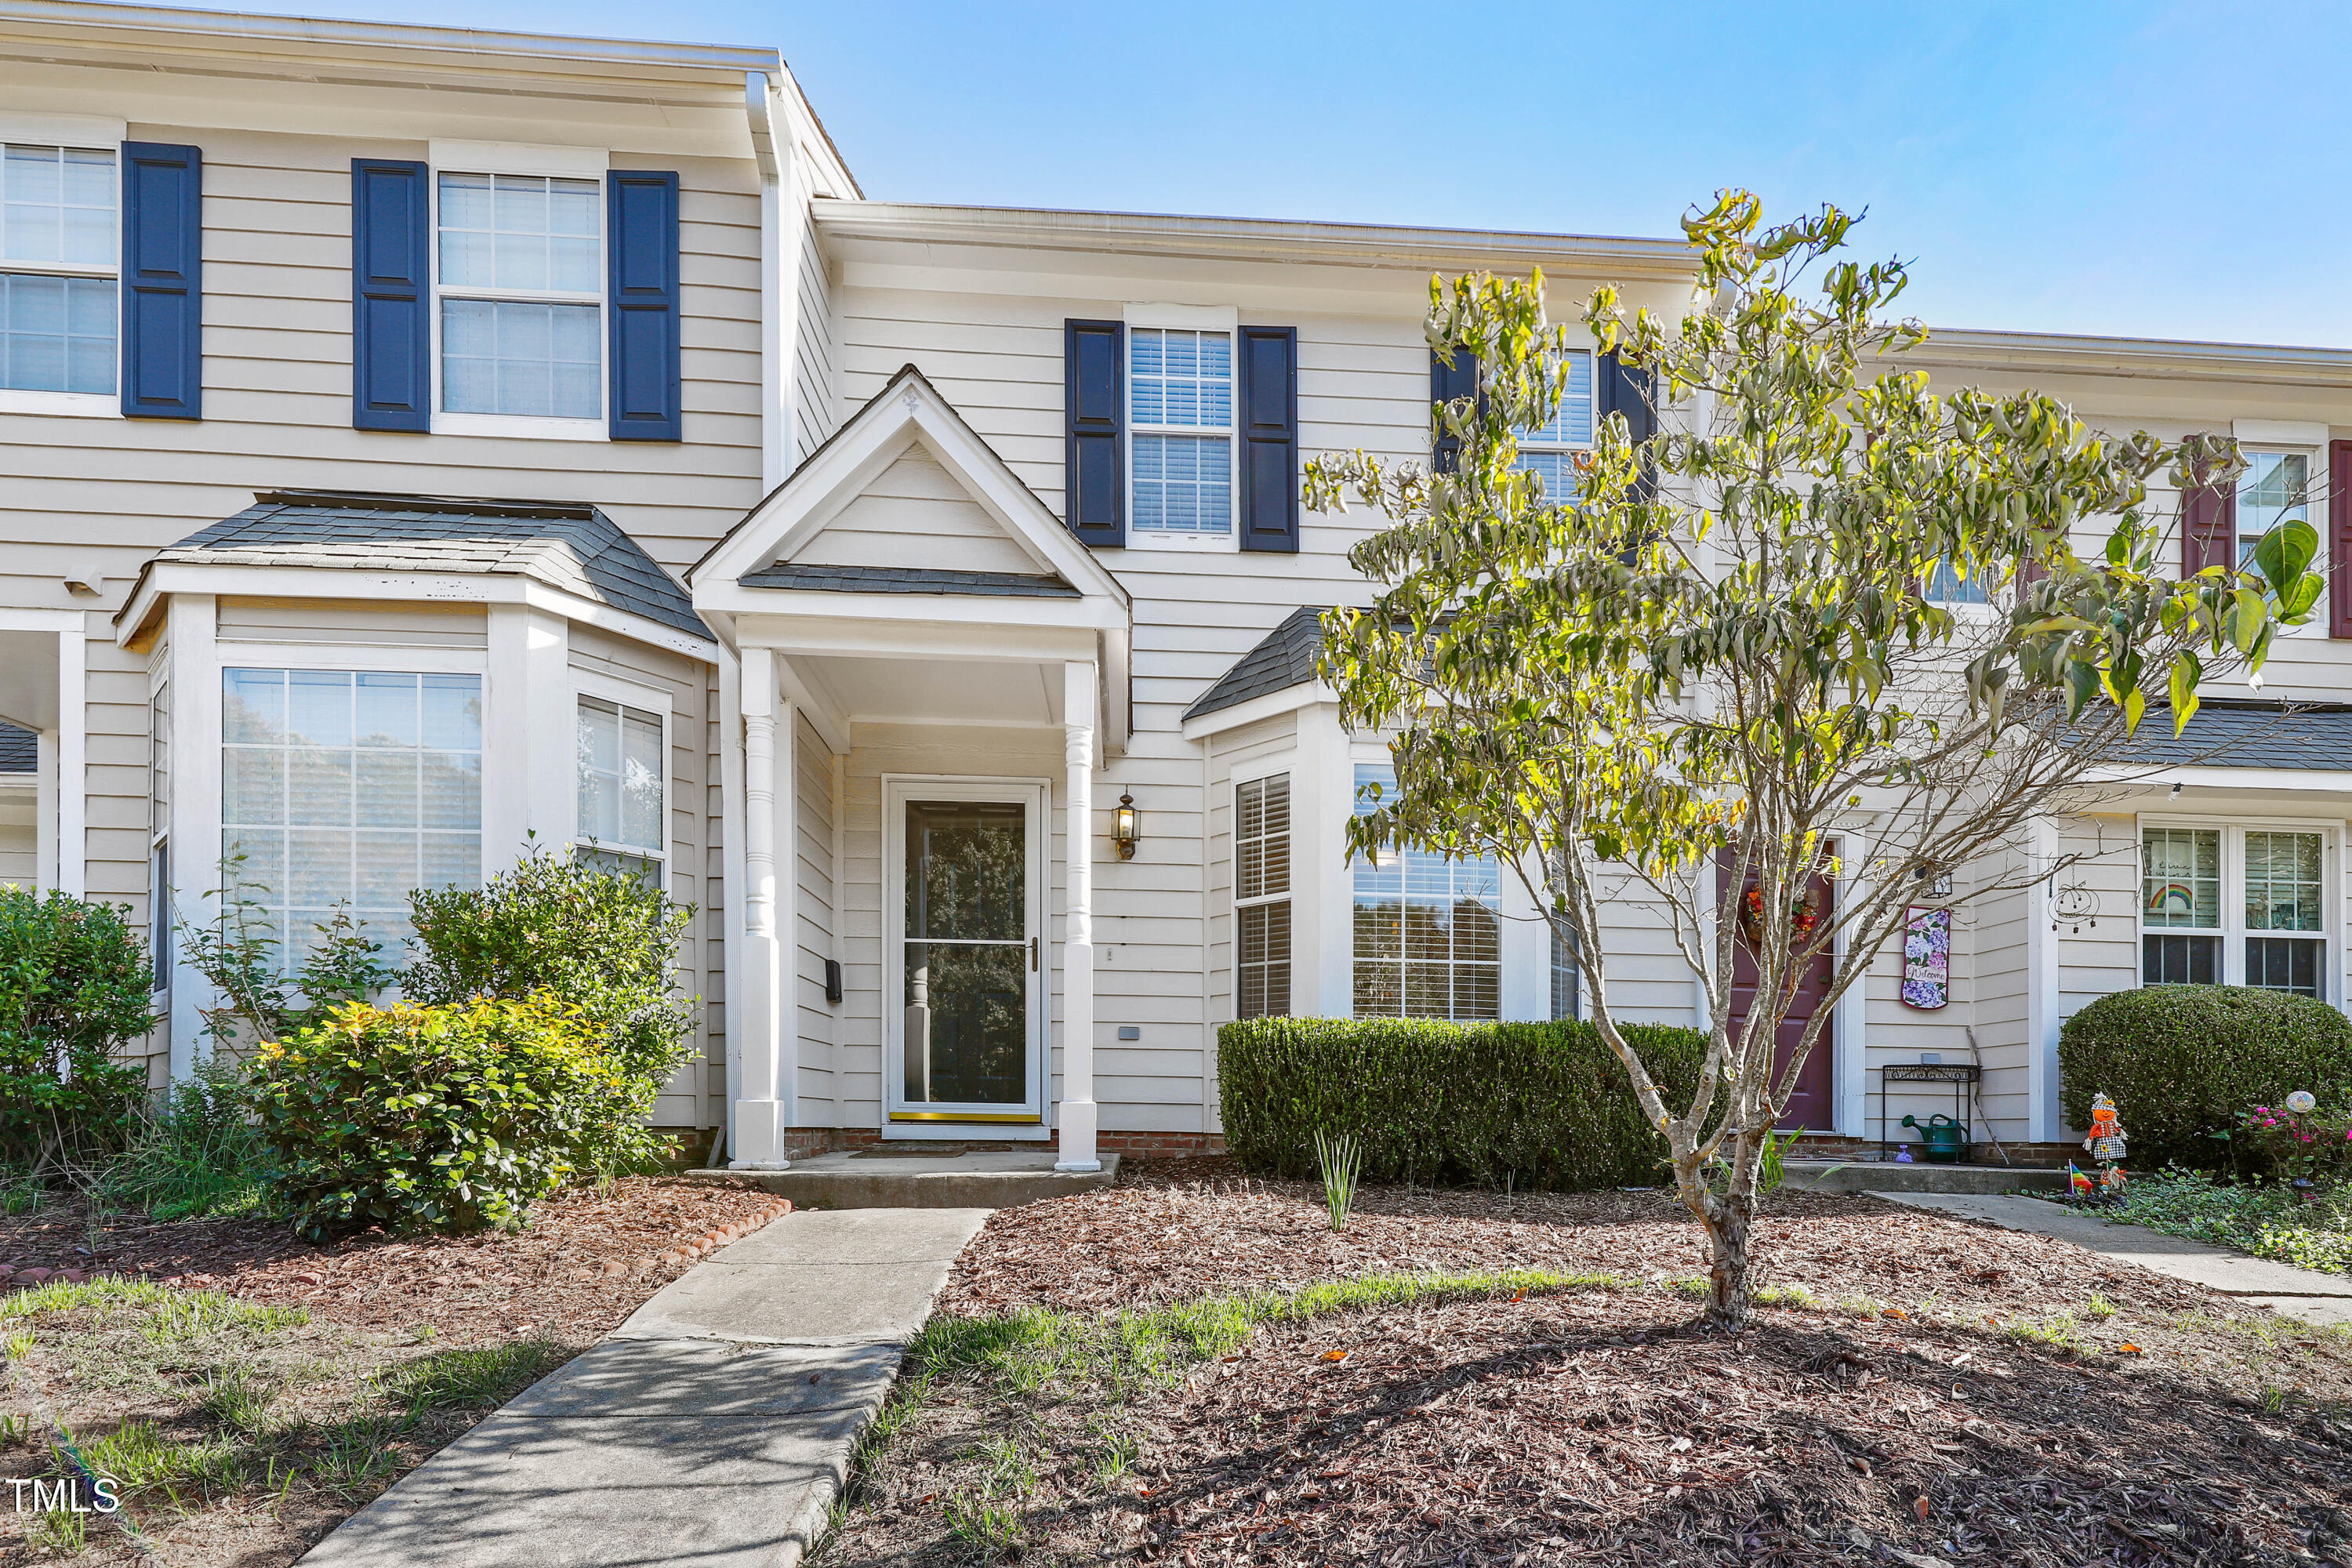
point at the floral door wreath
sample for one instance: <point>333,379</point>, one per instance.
<point>1804,915</point>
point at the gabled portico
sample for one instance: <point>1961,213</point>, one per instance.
<point>906,620</point>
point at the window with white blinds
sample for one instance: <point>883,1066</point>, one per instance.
<point>1262,896</point>
<point>1180,430</point>
<point>1551,448</point>
<point>59,256</point>
<point>348,790</point>
<point>1428,931</point>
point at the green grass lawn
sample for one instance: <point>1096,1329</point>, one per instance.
<point>2266,1220</point>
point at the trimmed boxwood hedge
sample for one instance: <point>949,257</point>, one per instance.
<point>2181,1062</point>
<point>1535,1105</point>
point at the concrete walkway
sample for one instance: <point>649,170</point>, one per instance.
<point>713,1428</point>
<point>906,1176</point>
<point>2321,1299</point>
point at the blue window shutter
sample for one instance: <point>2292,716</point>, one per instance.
<point>162,281</point>
<point>1094,405</point>
<point>1269,413</point>
<point>641,223</point>
<point>1448,380</point>
<point>392,296</point>
<point>1626,389</point>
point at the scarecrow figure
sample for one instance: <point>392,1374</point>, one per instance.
<point>2107,1140</point>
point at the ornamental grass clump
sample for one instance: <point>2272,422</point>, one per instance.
<point>1337,1158</point>
<point>451,1118</point>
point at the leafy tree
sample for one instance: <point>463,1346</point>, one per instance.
<point>1716,655</point>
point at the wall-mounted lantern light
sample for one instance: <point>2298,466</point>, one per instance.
<point>1124,827</point>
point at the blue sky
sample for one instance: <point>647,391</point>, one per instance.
<point>2154,170</point>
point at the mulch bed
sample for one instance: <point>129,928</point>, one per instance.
<point>587,1261</point>
<point>378,1307</point>
<point>1901,1420</point>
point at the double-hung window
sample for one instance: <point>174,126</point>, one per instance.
<point>1262,896</point>
<point>2283,947</point>
<point>1428,931</point>
<point>1180,434</point>
<point>2180,906</point>
<point>1550,449</point>
<point>2275,487</point>
<point>2205,892</point>
<point>59,254</point>
<point>1946,586</point>
<point>348,790</point>
<point>521,295</point>
<point>621,773</point>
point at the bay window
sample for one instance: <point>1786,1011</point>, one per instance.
<point>348,790</point>
<point>619,765</point>
<point>59,254</point>
<point>2207,890</point>
<point>1428,930</point>
<point>1262,896</point>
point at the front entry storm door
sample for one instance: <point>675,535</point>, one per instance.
<point>969,962</point>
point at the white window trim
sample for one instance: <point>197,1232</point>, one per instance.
<point>644,699</point>
<point>88,134</point>
<point>2234,930</point>
<point>526,426</point>
<point>1522,953</point>
<point>1226,319</point>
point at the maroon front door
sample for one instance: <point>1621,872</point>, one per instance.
<point>1811,1104</point>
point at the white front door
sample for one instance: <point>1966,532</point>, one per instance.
<point>965,982</point>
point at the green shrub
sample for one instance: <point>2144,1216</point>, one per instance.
<point>2183,1062</point>
<point>1530,1105</point>
<point>601,942</point>
<point>74,982</point>
<point>202,1155</point>
<point>451,1117</point>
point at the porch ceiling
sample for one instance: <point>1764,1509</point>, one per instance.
<point>28,679</point>
<point>938,691</point>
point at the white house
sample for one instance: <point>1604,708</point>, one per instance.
<point>412,441</point>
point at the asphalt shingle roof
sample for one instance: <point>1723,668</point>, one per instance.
<point>2248,734</point>
<point>907,579</point>
<point>566,545</point>
<point>19,749</point>
<point>1282,658</point>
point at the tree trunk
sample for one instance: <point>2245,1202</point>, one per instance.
<point>1727,1220</point>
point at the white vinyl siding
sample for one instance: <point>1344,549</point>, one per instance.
<point>59,255</point>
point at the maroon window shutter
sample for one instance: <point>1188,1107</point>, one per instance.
<point>2339,539</point>
<point>2208,528</point>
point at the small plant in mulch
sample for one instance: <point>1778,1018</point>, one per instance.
<point>1338,1159</point>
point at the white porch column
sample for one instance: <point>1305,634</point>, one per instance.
<point>2045,1116</point>
<point>759,1114</point>
<point>1077,1118</point>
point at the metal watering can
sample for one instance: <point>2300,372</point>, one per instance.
<point>1946,1141</point>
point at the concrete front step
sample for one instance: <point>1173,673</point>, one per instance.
<point>995,1179</point>
<point>1891,1176</point>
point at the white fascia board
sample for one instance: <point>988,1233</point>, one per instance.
<point>2243,785</point>
<point>1366,244</point>
<point>837,637</point>
<point>348,583</point>
<point>2045,354</point>
<point>297,39</point>
<point>1290,700</point>
<point>885,610</point>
